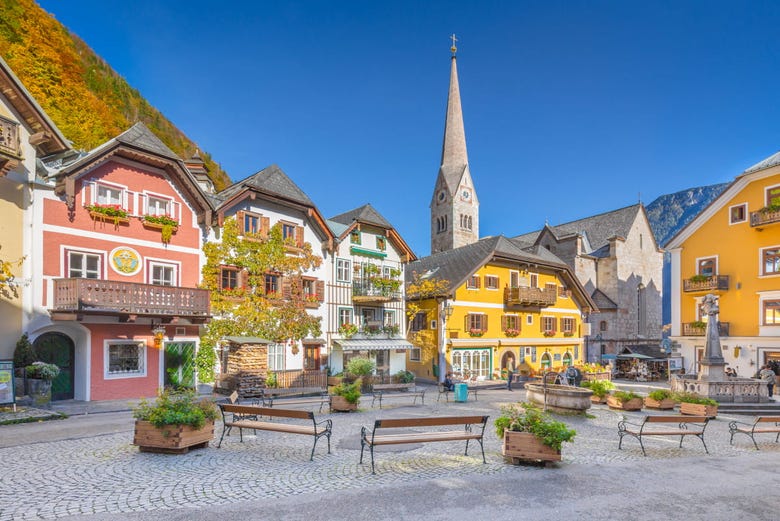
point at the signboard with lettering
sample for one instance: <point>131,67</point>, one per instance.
<point>7,394</point>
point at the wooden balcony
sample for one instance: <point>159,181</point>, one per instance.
<point>128,300</point>
<point>367,291</point>
<point>10,148</point>
<point>713,283</point>
<point>529,297</point>
<point>696,329</point>
<point>761,218</point>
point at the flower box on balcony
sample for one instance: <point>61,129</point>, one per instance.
<point>108,213</point>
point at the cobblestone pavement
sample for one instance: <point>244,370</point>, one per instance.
<point>87,474</point>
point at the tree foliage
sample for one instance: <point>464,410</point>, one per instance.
<point>8,284</point>
<point>248,310</point>
<point>81,93</point>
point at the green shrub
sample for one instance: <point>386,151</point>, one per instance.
<point>529,418</point>
<point>360,367</point>
<point>271,381</point>
<point>42,371</point>
<point>624,396</point>
<point>24,354</point>
<point>176,407</point>
<point>686,397</point>
<point>660,394</point>
<point>600,388</point>
<point>349,391</point>
<point>404,377</point>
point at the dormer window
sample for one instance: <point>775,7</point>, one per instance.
<point>251,223</point>
<point>109,195</point>
<point>381,243</point>
<point>354,237</point>
<point>158,206</point>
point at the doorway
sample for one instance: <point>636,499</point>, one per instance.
<point>58,349</point>
<point>311,358</point>
<point>179,364</point>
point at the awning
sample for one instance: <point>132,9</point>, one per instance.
<point>635,355</point>
<point>374,344</point>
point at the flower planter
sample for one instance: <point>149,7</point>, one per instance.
<point>176,439</point>
<point>335,380</point>
<point>696,409</point>
<point>634,404</point>
<point>40,391</point>
<point>159,226</point>
<point>598,399</point>
<point>527,447</point>
<point>97,216</point>
<point>339,403</point>
<point>606,375</point>
<point>666,403</point>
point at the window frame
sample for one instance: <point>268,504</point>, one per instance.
<point>512,318</point>
<point>419,321</point>
<point>348,312</point>
<point>568,325</point>
<point>100,256</point>
<point>142,359</point>
<point>547,320</point>
<point>232,269</point>
<point>477,321</point>
<point>273,281</point>
<point>253,218</point>
<point>744,208</point>
<point>149,197</point>
<point>767,194</point>
<point>763,261</point>
<point>415,354</point>
<point>102,185</point>
<point>343,266</point>
<point>776,304</point>
<point>279,353</point>
<point>701,261</point>
<point>381,243</point>
<point>473,282</point>
<point>355,238</point>
<point>152,264</point>
<point>492,278</point>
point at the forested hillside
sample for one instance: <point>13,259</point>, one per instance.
<point>82,94</point>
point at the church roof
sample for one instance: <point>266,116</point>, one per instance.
<point>603,301</point>
<point>454,157</point>
<point>598,229</point>
<point>272,181</point>
<point>365,214</point>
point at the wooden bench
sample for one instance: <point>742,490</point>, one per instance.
<point>248,417</point>
<point>686,426</point>
<point>375,437</point>
<point>446,392</point>
<point>397,390</point>
<point>762,424</point>
<point>295,396</point>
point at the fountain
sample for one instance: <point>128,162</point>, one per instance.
<point>711,382</point>
<point>566,399</point>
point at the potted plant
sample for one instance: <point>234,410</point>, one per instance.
<point>660,399</point>
<point>345,396</point>
<point>175,422</point>
<point>600,388</point>
<point>108,212</point>
<point>531,435</point>
<point>39,378</point>
<point>362,369</point>
<point>624,400</point>
<point>335,379</point>
<point>167,225</point>
<point>696,405</point>
<point>404,377</point>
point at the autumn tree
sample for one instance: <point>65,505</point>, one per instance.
<point>423,294</point>
<point>8,284</point>
<point>251,308</point>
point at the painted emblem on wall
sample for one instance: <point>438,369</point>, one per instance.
<point>125,261</point>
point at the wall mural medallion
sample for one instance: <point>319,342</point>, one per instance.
<point>125,261</point>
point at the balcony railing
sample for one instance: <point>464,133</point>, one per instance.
<point>713,283</point>
<point>761,218</point>
<point>97,296</point>
<point>696,329</point>
<point>529,297</point>
<point>368,291</point>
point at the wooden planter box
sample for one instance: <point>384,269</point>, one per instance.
<point>176,439</point>
<point>695,409</point>
<point>635,404</point>
<point>97,216</point>
<point>596,399</point>
<point>606,375</point>
<point>335,380</point>
<point>159,226</point>
<point>339,403</point>
<point>666,403</point>
<point>527,447</point>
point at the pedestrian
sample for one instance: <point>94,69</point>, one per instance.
<point>510,373</point>
<point>767,375</point>
<point>448,383</point>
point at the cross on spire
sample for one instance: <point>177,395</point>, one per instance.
<point>453,48</point>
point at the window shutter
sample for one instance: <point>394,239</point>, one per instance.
<point>484,322</point>
<point>321,290</point>
<point>478,281</point>
<point>243,279</point>
<point>286,287</point>
<point>467,325</point>
<point>240,222</point>
<point>299,236</point>
<point>265,226</point>
<point>503,322</point>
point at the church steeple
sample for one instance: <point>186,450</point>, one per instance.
<point>454,207</point>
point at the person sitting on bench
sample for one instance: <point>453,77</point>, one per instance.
<point>448,384</point>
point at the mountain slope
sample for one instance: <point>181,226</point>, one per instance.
<point>82,94</point>
<point>670,212</point>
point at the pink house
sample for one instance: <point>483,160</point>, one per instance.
<point>121,239</point>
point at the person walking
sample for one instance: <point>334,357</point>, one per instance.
<point>510,373</point>
<point>768,376</point>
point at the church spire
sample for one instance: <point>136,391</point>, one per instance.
<point>453,151</point>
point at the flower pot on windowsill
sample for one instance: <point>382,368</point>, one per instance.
<point>171,438</point>
<point>159,226</point>
<point>528,447</point>
<point>115,220</point>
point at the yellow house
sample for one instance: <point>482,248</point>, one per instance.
<point>732,249</point>
<point>26,135</point>
<point>490,304</point>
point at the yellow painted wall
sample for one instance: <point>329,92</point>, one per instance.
<point>738,250</point>
<point>11,249</point>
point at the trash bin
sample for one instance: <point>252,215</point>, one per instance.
<point>461,392</point>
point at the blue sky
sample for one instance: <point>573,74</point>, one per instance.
<point>572,108</point>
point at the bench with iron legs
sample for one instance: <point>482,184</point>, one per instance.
<point>446,392</point>
<point>295,396</point>
<point>761,425</point>
<point>686,426</point>
<point>473,429</point>
<point>397,390</point>
<point>248,417</point>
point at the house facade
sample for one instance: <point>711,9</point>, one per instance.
<point>365,296</point>
<point>496,305</point>
<point>732,250</point>
<point>616,259</point>
<point>256,204</point>
<point>26,135</point>
<point>119,233</point>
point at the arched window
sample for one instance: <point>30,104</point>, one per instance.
<point>567,359</point>
<point>469,222</point>
<point>546,361</point>
<point>603,325</point>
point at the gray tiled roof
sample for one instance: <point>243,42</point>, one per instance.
<point>140,136</point>
<point>653,351</point>
<point>598,229</point>
<point>365,214</point>
<point>336,228</point>
<point>602,301</point>
<point>458,264</point>
<point>771,161</point>
<point>271,180</point>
